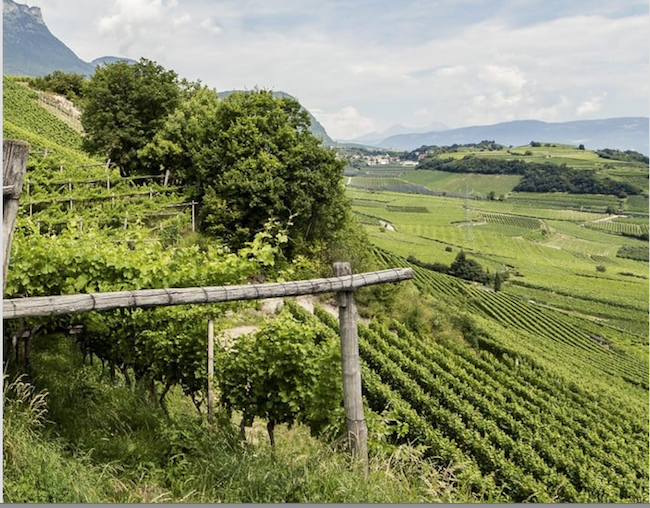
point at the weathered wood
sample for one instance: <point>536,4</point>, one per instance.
<point>210,370</point>
<point>66,304</point>
<point>352,398</point>
<point>14,164</point>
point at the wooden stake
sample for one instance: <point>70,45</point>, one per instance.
<point>210,370</point>
<point>352,398</point>
<point>14,164</point>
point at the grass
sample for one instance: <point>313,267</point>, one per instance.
<point>92,440</point>
<point>473,184</point>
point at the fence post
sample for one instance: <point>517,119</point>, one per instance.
<point>193,217</point>
<point>352,398</point>
<point>210,370</point>
<point>14,164</point>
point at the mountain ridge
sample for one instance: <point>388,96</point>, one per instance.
<point>30,49</point>
<point>623,133</point>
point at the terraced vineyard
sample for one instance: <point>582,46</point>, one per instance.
<point>619,228</point>
<point>517,432</point>
<point>550,333</point>
<point>511,220</point>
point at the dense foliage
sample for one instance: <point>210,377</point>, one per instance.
<point>69,84</point>
<point>124,106</point>
<point>462,267</point>
<point>288,371</point>
<point>264,162</point>
<point>620,155</point>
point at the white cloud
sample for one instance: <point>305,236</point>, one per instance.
<point>346,123</point>
<point>500,60</point>
<point>133,20</point>
<point>592,105</point>
<point>183,19</point>
<point>210,26</point>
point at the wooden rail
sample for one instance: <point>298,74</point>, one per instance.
<point>66,304</point>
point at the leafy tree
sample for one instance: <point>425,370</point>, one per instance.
<point>467,269</point>
<point>124,106</point>
<point>182,142</point>
<point>251,157</point>
<point>497,282</point>
<point>68,84</point>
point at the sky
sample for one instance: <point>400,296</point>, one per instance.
<point>367,65</point>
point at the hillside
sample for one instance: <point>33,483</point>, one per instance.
<point>536,391</point>
<point>620,133</point>
<point>30,49</point>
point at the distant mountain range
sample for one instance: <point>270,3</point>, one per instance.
<point>30,49</point>
<point>375,138</point>
<point>628,133</point>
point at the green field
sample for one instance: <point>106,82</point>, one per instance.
<point>546,251</point>
<point>471,184</point>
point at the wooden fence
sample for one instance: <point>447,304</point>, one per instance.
<point>344,284</point>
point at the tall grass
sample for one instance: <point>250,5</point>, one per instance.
<point>99,441</point>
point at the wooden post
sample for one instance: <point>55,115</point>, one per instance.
<point>352,398</point>
<point>210,370</point>
<point>14,165</point>
<point>166,178</point>
<point>193,217</point>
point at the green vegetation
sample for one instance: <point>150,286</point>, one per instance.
<point>636,252</point>
<point>514,367</point>
<point>123,107</point>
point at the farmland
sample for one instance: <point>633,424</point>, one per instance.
<point>535,392</point>
<point>551,252</point>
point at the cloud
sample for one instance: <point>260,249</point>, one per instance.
<point>183,19</point>
<point>590,106</point>
<point>133,20</point>
<point>346,123</point>
<point>210,26</point>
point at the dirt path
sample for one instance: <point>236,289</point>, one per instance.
<point>271,306</point>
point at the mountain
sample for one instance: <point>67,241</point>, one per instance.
<point>30,49</point>
<point>315,127</point>
<point>628,133</point>
<point>375,138</point>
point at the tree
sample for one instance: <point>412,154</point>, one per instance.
<point>184,138</point>
<point>497,282</point>
<point>249,158</point>
<point>467,269</point>
<point>124,106</point>
<point>581,146</point>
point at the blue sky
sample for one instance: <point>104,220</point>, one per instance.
<point>362,66</point>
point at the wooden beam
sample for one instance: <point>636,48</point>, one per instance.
<point>67,304</point>
<point>352,399</point>
<point>14,164</point>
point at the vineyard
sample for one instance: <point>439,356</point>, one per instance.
<point>518,433</point>
<point>533,391</point>
<point>511,220</point>
<point>619,228</point>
